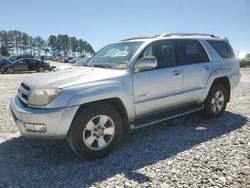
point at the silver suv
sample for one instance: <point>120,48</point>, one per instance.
<point>128,85</point>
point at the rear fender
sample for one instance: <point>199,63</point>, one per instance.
<point>222,72</point>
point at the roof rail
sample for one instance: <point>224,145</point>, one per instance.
<point>134,38</point>
<point>185,34</point>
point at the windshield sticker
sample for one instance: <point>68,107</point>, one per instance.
<point>122,53</point>
<point>122,65</point>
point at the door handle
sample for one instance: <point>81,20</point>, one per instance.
<point>176,72</point>
<point>206,67</point>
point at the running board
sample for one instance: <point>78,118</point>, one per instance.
<point>163,116</point>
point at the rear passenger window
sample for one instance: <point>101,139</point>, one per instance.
<point>193,52</point>
<point>222,48</point>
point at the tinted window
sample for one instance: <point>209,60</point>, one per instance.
<point>192,52</point>
<point>164,51</point>
<point>31,61</point>
<point>21,61</point>
<point>222,48</point>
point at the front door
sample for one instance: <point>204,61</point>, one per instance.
<point>158,89</point>
<point>20,65</point>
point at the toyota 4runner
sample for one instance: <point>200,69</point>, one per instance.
<point>128,85</point>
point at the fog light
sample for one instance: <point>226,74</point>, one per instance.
<point>36,127</point>
<point>29,127</point>
<point>40,128</point>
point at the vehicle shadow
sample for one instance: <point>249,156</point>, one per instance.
<point>39,163</point>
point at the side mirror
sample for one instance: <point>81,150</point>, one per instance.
<point>145,63</point>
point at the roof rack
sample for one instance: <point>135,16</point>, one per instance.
<point>146,37</point>
<point>185,34</point>
<point>173,34</point>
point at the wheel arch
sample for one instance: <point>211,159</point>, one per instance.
<point>225,82</point>
<point>116,103</point>
<point>213,79</point>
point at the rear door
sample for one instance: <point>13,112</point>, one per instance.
<point>31,64</point>
<point>158,89</point>
<point>196,68</point>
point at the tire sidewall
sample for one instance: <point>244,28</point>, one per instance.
<point>208,107</point>
<point>6,70</point>
<point>40,69</point>
<point>81,121</point>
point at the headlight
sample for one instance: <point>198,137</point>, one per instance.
<point>44,96</point>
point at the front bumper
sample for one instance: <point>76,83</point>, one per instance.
<point>57,120</point>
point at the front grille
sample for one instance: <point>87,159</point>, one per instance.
<point>25,87</point>
<point>23,92</point>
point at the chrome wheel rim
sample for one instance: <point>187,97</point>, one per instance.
<point>41,69</point>
<point>217,102</point>
<point>9,70</point>
<point>99,132</point>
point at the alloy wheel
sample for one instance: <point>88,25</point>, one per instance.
<point>217,101</point>
<point>99,132</point>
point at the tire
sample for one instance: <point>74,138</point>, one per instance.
<point>9,70</point>
<point>88,140</point>
<point>216,102</point>
<point>40,69</point>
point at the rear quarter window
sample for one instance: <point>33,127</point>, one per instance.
<point>192,52</point>
<point>222,48</point>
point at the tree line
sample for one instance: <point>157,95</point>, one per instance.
<point>15,42</point>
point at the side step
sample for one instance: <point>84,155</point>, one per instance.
<point>163,116</point>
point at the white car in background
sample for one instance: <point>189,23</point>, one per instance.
<point>80,62</point>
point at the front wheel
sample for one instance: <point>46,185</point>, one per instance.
<point>95,131</point>
<point>216,102</point>
<point>9,70</point>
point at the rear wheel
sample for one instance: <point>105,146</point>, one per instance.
<point>216,102</point>
<point>9,70</point>
<point>40,69</point>
<point>95,131</point>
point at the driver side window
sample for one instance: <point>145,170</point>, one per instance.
<point>164,51</point>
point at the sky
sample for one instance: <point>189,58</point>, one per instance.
<point>103,22</point>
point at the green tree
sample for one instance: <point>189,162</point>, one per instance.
<point>39,43</point>
<point>81,47</point>
<point>17,42</point>
<point>24,42</point>
<point>65,44</point>
<point>4,51</point>
<point>59,44</point>
<point>52,43</point>
<point>73,45</point>
<point>4,39</point>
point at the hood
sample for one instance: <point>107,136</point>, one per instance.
<point>63,67</point>
<point>4,62</point>
<point>71,77</point>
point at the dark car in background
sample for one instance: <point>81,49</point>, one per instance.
<point>4,63</point>
<point>27,64</point>
<point>80,62</point>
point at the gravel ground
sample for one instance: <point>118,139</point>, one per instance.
<point>184,152</point>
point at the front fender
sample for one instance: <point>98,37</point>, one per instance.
<point>105,92</point>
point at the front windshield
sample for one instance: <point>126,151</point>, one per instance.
<point>114,56</point>
<point>81,62</point>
